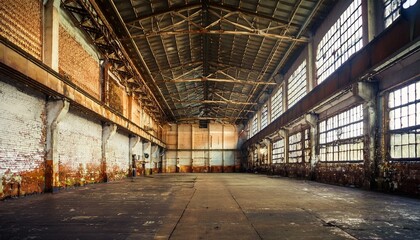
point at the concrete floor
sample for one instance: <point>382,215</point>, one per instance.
<point>210,206</point>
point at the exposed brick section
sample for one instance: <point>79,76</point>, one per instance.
<point>20,23</point>
<point>118,156</point>
<point>401,177</point>
<point>79,148</point>
<point>296,170</point>
<point>78,65</point>
<point>22,142</point>
<point>346,174</point>
<point>116,97</point>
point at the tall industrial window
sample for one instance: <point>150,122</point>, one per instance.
<point>296,87</point>
<point>255,125</point>
<point>295,148</point>
<point>341,136</point>
<point>404,122</point>
<point>278,151</point>
<point>342,40</point>
<point>264,116</point>
<point>277,104</point>
<point>392,9</point>
<point>300,147</point>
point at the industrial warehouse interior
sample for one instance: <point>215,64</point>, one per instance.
<point>209,119</point>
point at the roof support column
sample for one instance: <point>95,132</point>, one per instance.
<point>51,33</point>
<point>56,110</point>
<point>133,141</point>
<point>147,152</point>
<point>108,130</point>
<point>367,91</point>
<point>312,120</point>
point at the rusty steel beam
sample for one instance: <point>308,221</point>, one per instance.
<point>170,10</point>
<point>251,14</point>
<point>204,79</point>
<point>217,32</point>
<point>396,42</point>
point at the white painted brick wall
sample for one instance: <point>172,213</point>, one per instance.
<point>22,131</point>
<point>79,145</point>
<point>118,154</point>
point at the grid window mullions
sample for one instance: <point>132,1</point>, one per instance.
<point>342,40</point>
<point>404,122</point>
<point>341,136</point>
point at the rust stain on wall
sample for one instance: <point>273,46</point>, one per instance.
<point>70,177</point>
<point>216,169</point>
<point>185,169</point>
<point>229,169</point>
<point>200,169</point>
<point>22,183</point>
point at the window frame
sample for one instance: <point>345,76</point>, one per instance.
<point>403,130</point>
<point>339,146</point>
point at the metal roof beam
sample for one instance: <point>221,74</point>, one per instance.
<point>169,10</point>
<point>204,79</point>
<point>251,14</point>
<point>219,32</point>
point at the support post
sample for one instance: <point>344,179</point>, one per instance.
<point>108,130</point>
<point>51,33</point>
<point>367,91</point>
<point>154,158</point>
<point>311,72</point>
<point>284,133</point>
<point>133,141</point>
<point>312,120</point>
<point>56,110</point>
<point>147,151</point>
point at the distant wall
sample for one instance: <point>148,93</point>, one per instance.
<point>194,149</point>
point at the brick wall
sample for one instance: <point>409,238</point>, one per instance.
<point>20,23</point>
<point>116,97</point>
<point>117,154</point>
<point>22,141</point>
<point>79,148</point>
<point>78,65</point>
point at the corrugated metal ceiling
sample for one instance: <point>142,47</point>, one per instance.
<point>212,59</point>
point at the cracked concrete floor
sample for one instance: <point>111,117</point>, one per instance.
<point>210,206</point>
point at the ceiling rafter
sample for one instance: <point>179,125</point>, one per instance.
<point>228,80</point>
<point>292,15</point>
<point>217,32</point>
<point>230,8</point>
<point>167,11</point>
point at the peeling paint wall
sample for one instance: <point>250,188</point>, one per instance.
<point>22,141</point>
<point>79,149</point>
<point>117,155</point>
